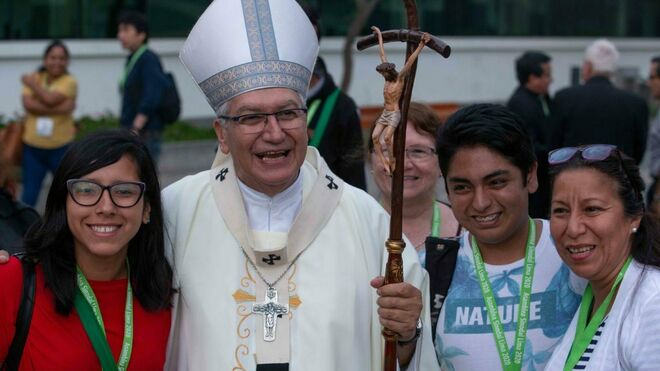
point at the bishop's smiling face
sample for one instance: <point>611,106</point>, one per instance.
<point>268,161</point>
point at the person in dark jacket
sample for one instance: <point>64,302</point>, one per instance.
<point>142,82</point>
<point>532,103</point>
<point>339,138</point>
<point>15,217</point>
<point>597,111</point>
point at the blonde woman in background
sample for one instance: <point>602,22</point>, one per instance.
<point>423,214</point>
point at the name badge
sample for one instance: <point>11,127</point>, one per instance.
<point>45,126</point>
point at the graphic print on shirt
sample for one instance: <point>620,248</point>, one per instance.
<point>465,324</point>
<point>466,312</point>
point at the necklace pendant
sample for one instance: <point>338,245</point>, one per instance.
<point>271,309</point>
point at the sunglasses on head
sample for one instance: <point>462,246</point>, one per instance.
<point>591,153</point>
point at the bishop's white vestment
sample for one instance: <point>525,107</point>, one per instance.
<point>333,249</point>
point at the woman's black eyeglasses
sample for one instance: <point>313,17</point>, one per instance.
<point>89,193</point>
<point>591,153</point>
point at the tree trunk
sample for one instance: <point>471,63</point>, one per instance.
<point>364,10</point>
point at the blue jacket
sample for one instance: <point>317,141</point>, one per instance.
<point>143,89</point>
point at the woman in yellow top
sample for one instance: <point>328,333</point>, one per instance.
<point>49,97</point>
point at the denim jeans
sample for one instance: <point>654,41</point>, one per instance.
<point>36,162</point>
<point>153,139</point>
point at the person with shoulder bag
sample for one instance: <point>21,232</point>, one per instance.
<point>94,288</point>
<point>143,84</point>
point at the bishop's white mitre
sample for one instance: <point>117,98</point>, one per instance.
<point>241,45</point>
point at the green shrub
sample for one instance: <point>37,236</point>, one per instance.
<point>181,131</point>
<point>176,132</point>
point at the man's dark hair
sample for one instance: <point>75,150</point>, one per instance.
<point>492,126</point>
<point>530,64</point>
<point>135,19</point>
<point>50,242</point>
<point>656,60</point>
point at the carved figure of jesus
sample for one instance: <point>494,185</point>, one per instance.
<point>388,121</point>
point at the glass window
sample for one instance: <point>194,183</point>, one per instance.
<point>45,19</point>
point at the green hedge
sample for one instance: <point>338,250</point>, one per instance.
<point>176,132</point>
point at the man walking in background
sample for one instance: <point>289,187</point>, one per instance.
<point>598,112</point>
<point>142,82</point>
<point>532,103</point>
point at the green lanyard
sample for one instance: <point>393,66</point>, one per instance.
<point>509,364</point>
<point>435,223</point>
<point>138,53</point>
<point>92,320</point>
<point>311,110</point>
<point>326,112</point>
<point>584,332</point>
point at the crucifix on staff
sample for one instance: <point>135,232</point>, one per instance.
<point>397,94</point>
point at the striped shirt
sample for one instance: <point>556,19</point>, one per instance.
<point>584,360</point>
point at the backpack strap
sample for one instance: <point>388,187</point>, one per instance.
<point>441,255</point>
<point>24,317</point>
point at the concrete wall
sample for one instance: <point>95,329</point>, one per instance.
<point>480,69</point>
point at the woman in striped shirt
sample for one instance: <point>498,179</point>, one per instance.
<point>603,233</point>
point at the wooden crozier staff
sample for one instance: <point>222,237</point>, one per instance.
<point>395,244</point>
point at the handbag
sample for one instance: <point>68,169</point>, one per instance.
<point>11,143</point>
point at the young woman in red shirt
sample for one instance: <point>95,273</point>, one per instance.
<point>103,284</point>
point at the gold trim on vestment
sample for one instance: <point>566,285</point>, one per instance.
<point>241,296</point>
<point>246,351</point>
<point>244,312</point>
<point>245,281</point>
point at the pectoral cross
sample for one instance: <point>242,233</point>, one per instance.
<point>270,309</point>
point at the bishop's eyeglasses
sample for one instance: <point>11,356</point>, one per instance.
<point>252,123</point>
<point>88,193</point>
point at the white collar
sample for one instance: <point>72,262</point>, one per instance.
<point>272,214</point>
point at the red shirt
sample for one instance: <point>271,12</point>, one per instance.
<point>57,342</point>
